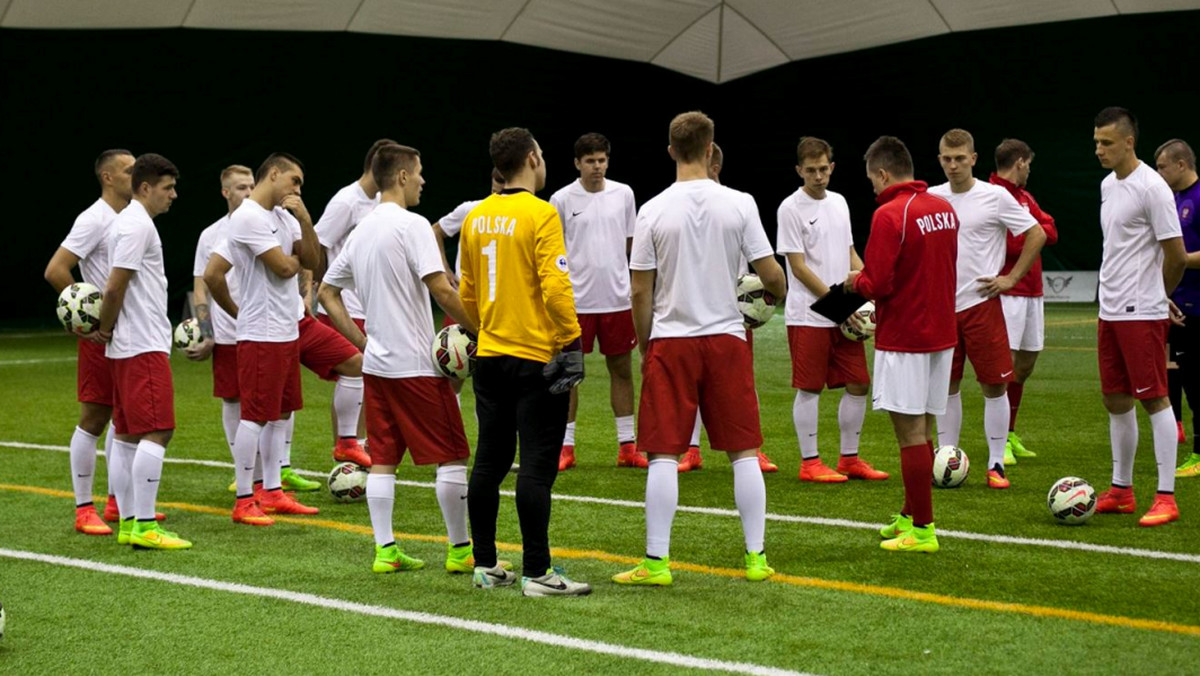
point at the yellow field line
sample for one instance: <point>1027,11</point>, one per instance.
<point>779,578</point>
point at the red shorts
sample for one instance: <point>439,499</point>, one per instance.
<point>420,415</point>
<point>614,329</point>
<point>143,395</point>
<point>269,379</point>
<point>983,337</point>
<point>94,378</point>
<point>324,319</point>
<point>322,348</point>
<point>714,374</point>
<point>225,371</point>
<point>1133,357</point>
<point>824,357</point>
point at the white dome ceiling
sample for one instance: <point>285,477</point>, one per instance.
<point>712,40</point>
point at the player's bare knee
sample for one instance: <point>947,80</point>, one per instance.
<point>1153,406</point>
<point>620,366</point>
<point>160,437</point>
<point>93,418</point>
<point>1118,404</point>
<point>381,469</point>
<point>993,390</point>
<point>351,368</point>
<point>857,389</point>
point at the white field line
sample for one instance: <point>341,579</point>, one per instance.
<point>490,628</point>
<point>716,511</point>
<point>22,362</point>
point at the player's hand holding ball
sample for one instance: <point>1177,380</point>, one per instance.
<point>565,369</point>
<point>200,351</point>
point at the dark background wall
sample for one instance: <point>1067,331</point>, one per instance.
<point>207,99</point>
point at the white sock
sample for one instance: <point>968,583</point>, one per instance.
<point>750,494</point>
<point>120,468</point>
<point>1123,436</point>
<point>109,438</point>
<point>995,427</point>
<point>347,401</point>
<point>231,415</point>
<point>696,431</point>
<point>1166,442</point>
<point>662,499</point>
<point>271,447</point>
<point>458,398</point>
<point>451,488</point>
<point>146,476</point>
<point>949,426</point>
<point>625,433</point>
<point>245,449</point>
<point>258,473</point>
<point>83,465</point>
<point>381,496</point>
<point>851,412</point>
<point>805,411</point>
<point>569,437</point>
<point>288,431</point>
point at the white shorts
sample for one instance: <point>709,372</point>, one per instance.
<point>1024,318</point>
<point>912,382</point>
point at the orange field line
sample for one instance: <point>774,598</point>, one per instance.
<point>778,578</point>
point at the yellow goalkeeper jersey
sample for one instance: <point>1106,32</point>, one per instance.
<point>513,277</point>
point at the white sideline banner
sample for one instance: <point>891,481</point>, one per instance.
<point>1070,286</point>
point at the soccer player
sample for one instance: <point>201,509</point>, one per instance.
<point>692,460</point>
<point>267,247</point>
<point>516,287</point>
<point>1176,163</point>
<point>909,272</point>
<point>598,215</point>
<point>986,213</point>
<point>1142,262</point>
<point>814,233</point>
<point>134,324</point>
<point>392,262</point>
<point>345,209</point>
<point>686,249</point>
<point>86,245</point>
<point>1023,313</point>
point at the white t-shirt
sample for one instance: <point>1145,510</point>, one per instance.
<point>693,234</point>
<point>986,213</point>
<point>1136,214</point>
<point>819,229</point>
<point>142,326</point>
<point>345,210</point>
<point>88,240</point>
<point>452,223</point>
<point>596,228</point>
<point>224,326</point>
<point>267,311</point>
<point>385,259</point>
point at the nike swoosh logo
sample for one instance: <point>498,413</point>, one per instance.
<point>1141,389</point>
<point>560,586</point>
<point>575,213</point>
<point>152,481</point>
<point>1079,494</point>
<point>1006,374</point>
<point>995,438</point>
<point>812,221</point>
<point>274,230</point>
<point>81,476</point>
<point>462,497</point>
<point>458,358</point>
<point>248,469</point>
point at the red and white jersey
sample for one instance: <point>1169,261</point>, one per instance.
<point>596,228</point>
<point>452,223</point>
<point>142,326</point>
<point>384,260</point>
<point>345,210</point>
<point>909,270</point>
<point>224,326</point>
<point>986,214</point>
<point>693,234</point>
<point>267,311</point>
<point>1136,213</point>
<point>819,229</point>
<point>88,239</point>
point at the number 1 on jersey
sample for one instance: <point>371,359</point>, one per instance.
<point>489,252</point>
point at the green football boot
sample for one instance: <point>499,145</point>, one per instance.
<point>900,524</point>
<point>650,572</point>
<point>389,559</point>
<point>295,482</point>
<point>1018,448</point>
<point>757,569</point>
<point>917,539</point>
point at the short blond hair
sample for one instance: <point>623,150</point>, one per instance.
<point>957,138</point>
<point>232,169</point>
<point>691,133</point>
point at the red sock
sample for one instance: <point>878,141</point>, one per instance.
<point>1015,390</point>
<point>917,468</point>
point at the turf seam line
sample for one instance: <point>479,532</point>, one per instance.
<point>717,511</point>
<point>416,617</point>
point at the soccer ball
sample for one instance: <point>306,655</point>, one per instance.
<point>950,467</point>
<point>187,334</point>
<point>1071,500</point>
<point>454,352</point>
<point>756,303</point>
<point>867,314</point>
<point>348,483</point>
<point>79,308</point>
